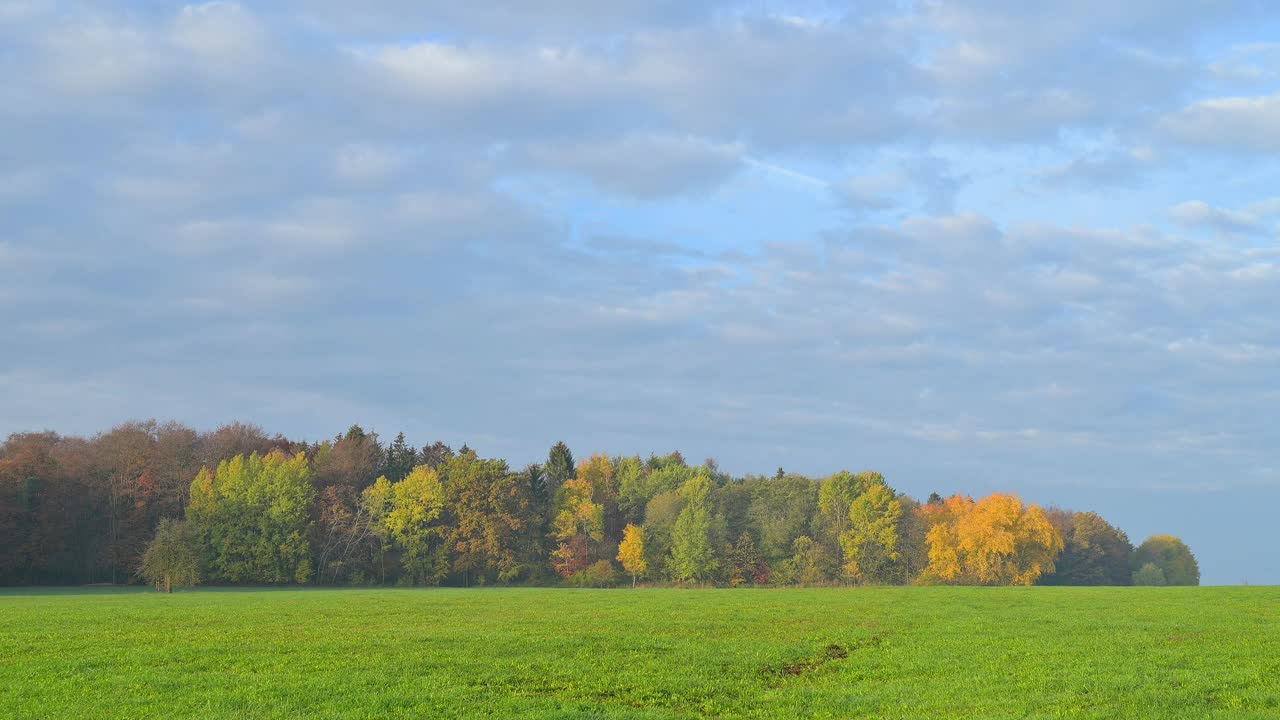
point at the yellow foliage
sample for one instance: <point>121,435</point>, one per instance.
<point>631,551</point>
<point>994,541</point>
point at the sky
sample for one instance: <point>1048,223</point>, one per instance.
<point>976,245</point>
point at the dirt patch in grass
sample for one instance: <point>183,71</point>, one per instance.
<point>829,654</point>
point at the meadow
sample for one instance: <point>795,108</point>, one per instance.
<point>943,652</point>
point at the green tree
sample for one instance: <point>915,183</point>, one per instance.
<point>172,558</point>
<point>810,563</point>
<point>1094,553</point>
<point>399,460</point>
<point>560,466</point>
<point>692,552</point>
<point>410,515</point>
<point>660,515</point>
<point>435,455</point>
<point>835,496</point>
<point>1172,556</point>
<point>870,544</point>
<point>254,517</point>
<point>781,511</point>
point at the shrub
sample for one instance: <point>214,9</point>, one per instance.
<point>600,574</point>
<point>1149,574</point>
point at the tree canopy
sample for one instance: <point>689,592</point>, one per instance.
<point>160,503</point>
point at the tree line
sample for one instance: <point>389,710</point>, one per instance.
<point>163,503</point>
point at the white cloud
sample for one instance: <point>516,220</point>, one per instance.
<point>1232,123</point>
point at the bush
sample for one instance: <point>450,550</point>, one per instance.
<point>599,575</point>
<point>1149,574</point>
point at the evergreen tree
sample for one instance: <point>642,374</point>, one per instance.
<point>400,459</point>
<point>559,467</point>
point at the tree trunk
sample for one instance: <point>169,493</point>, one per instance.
<point>168,584</point>
<point>633,582</point>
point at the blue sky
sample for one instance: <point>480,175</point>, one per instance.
<point>976,245</point>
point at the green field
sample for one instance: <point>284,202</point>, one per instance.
<point>548,653</point>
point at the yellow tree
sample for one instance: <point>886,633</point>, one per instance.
<point>578,523</point>
<point>995,541</point>
<point>631,552</point>
<point>416,503</point>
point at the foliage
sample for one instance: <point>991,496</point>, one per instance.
<point>1172,556</point>
<point>254,517</point>
<point>810,563</point>
<point>560,466</point>
<point>600,574</point>
<point>172,558</point>
<point>82,510</point>
<point>490,510</point>
<point>782,510</point>
<point>870,543</point>
<point>1094,553</point>
<point>631,552</point>
<point>995,541</point>
<point>407,513</point>
<point>579,522</point>
<point>1149,574</point>
<point>745,564</point>
<point>692,555</point>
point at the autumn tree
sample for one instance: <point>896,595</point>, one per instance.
<point>995,541</point>
<point>578,526</point>
<point>744,561</point>
<point>631,552</point>
<point>1171,556</point>
<point>173,557</point>
<point>490,508</point>
<point>598,470</point>
<point>870,542</point>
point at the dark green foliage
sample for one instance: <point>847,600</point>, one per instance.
<point>399,460</point>
<point>559,467</point>
<point>1172,556</point>
<point>1094,553</point>
<point>435,455</point>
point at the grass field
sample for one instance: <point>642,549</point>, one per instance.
<point>546,653</point>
